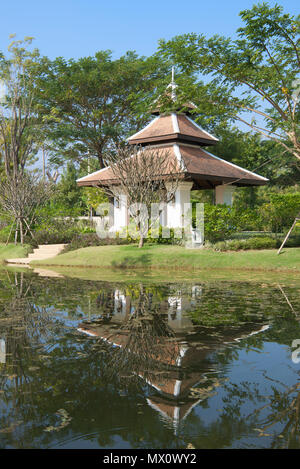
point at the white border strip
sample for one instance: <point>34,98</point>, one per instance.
<point>175,123</point>
<point>178,156</point>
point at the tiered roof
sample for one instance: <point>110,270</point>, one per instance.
<point>173,127</point>
<point>183,139</point>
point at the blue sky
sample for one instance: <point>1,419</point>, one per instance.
<point>77,28</point>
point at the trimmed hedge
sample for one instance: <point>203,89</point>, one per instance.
<point>246,244</point>
<point>84,240</point>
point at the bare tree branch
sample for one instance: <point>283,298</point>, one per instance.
<point>145,176</point>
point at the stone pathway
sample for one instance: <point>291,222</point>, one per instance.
<point>44,251</point>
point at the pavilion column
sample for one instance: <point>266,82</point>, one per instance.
<point>175,209</point>
<point>120,212</point>
<point>224,193</point>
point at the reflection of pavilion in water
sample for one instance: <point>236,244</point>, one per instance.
<point>176,305</point>
<point>184,358</point>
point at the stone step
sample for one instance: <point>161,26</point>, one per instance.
<point>50,249</point>
<point>45,251</point>
<point>42,256</point>
<point>51,246</point>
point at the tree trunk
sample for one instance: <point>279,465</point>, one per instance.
<point>16,232</point>
<point>21,232</point>
<point>141,243</point>
<point>101,160</point>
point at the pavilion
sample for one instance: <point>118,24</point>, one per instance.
<point>172,363</point>
<point>185,141</point>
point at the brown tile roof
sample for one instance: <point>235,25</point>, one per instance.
<point>102,176</point>
<point>172,127</point>
<point>159,126</point>
<point>197,164</point>
<point>107,176</point>
<point>188,127</point>
<point>202,163</point>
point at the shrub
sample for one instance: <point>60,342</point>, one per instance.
<point>246,219</point>
<point>246,244</point>
<point>293,242</point>
<point>279,214</point>
<point>220,221</point>
<point>161,240</point>
<point>56,231</point>
<point>84,240</point>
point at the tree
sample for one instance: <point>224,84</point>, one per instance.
<point>20,197</point>
<point>17,108</point>
<point>254,78</point>
<point>93,197</point>
<point>95,102</point>
<point>67,194</point>
<point>145,176</point>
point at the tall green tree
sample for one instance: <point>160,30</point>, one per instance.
<point>67,194</point>
<point>255,78</point>
<point>18,115</point>
<point>95,102</point>
<point>21,192</point>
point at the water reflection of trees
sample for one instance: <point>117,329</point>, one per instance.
<point>24,328</point>
<point>23,323</point>
<point>276,416</point>
<point>61,369</point>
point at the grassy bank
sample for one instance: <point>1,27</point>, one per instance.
<point>175,257</point>
<point>11,251</point>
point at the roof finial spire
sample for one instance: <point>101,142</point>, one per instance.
<point>173,85</point>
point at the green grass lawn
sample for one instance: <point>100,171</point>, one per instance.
<point>176,257</point>
<point>11,251</point>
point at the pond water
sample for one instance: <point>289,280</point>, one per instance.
<point>144,364</point>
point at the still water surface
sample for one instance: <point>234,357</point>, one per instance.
<point>94,364</point>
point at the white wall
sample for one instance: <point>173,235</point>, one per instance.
<point>120,212</point>
<point>175,210</point>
